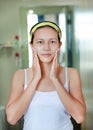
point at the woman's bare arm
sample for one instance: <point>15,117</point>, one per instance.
<point>73,101</point>
<point>20,99</point>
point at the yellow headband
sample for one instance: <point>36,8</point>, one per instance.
<point>45,23</point>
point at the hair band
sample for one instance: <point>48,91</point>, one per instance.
<point>45,23</point>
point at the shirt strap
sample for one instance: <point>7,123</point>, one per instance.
<point>25,82</point>
<point>66,75</point>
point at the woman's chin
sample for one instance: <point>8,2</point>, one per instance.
<point>46,60</point>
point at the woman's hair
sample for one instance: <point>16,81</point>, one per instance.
<point>45,24</point>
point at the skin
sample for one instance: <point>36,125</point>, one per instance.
<point>46,75</point>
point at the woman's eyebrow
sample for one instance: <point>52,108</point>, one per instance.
<point>53,38</point>
<point>39,39</point>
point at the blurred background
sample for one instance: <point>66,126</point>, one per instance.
<point>75,18</point>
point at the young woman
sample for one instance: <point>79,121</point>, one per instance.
<point>47,94</point>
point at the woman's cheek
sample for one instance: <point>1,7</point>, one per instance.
<point>39,50</point>
<point>54,48</point>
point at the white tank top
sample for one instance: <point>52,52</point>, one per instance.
<point>46,111</point>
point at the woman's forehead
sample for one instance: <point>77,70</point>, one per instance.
<point>46,29</point>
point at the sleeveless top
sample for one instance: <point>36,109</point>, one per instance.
<point>46,111</point>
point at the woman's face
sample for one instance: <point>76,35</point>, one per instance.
<point>46,43</point>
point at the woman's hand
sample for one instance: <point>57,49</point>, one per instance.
<point>54,68</point>
<point>36,66</point>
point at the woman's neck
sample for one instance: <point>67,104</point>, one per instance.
<point>45,69</point>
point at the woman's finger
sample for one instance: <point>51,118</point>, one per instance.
<point>56,58</point>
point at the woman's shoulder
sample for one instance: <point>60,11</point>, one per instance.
<point>19,75</point>
<point>19,72</point>
<point>70,71</point>
<point>73,73</point>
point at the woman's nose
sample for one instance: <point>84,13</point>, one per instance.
<point>47,46</point>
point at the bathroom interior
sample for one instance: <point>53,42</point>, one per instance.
<point>75,18</point>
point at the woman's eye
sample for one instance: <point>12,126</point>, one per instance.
<point>53,42</point>
<point>40,42</point>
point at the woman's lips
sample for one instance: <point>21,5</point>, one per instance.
<point>46,55</point>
